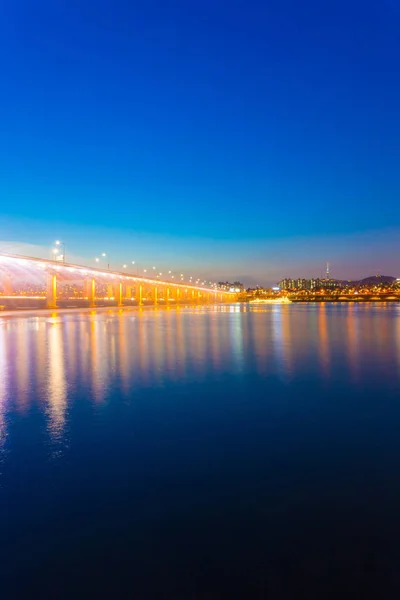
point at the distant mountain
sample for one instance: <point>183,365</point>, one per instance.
<point>373,280</point>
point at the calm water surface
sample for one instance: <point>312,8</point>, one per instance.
<point>212,452</point>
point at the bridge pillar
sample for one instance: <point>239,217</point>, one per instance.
<point>118,294</point>
<point>193,296</point>
<point>178,294</point>
<point>89,291</point>
<point>139,294</point>
<point>168,293</point>
<point>155,295</point>
<point>51,290</point>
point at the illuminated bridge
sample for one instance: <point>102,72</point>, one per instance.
<point>48,283</point>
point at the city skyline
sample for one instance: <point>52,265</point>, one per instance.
<point>245,144</point>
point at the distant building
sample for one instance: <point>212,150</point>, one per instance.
<point>315,283</point>
<point>287,284</point>
<point>236,286</point>
<point>295,284</point>
<point>308,284</point>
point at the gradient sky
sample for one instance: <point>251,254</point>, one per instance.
<point>243,139</point>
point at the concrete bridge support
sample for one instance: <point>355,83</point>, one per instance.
<point>118,293</point>
<point>51,290</point>
<point>139,294</point>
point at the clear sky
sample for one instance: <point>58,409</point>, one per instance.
<point>225,138</point>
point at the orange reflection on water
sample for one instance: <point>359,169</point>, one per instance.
<point>236,320</point>
<point>23,362</point>
<point>323,346</point>
<point>57,389</point>
<point>117,354</point>
<point>99,369</point>
<point>126,348</point>
<point>214,340</point>
<point>353,323</point>
<point>39,354</point>
<point>259,332</point>
<point>282,328</point>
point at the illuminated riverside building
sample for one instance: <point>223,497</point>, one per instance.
<point>300,284</point>
<point>287,284</point>
<point>308,284</point>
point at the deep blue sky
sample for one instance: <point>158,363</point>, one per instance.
<point>225,137</point>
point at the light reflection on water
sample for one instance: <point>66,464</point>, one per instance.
<point>43,357</point>
<point>156,429</point>
<point>56,382</point>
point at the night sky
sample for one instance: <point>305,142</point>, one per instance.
<point>240,139</point>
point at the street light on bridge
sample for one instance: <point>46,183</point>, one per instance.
<point>56,251</point>
<point>137,267</point>
<point>103,255</point>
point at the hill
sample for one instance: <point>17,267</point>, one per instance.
<point>372,280</point>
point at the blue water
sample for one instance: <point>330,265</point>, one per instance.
<point>208,452</point>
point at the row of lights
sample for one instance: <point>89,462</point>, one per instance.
<point>158,275</point>
<point>59,254</point>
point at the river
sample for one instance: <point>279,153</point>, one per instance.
<point>205,452</point>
